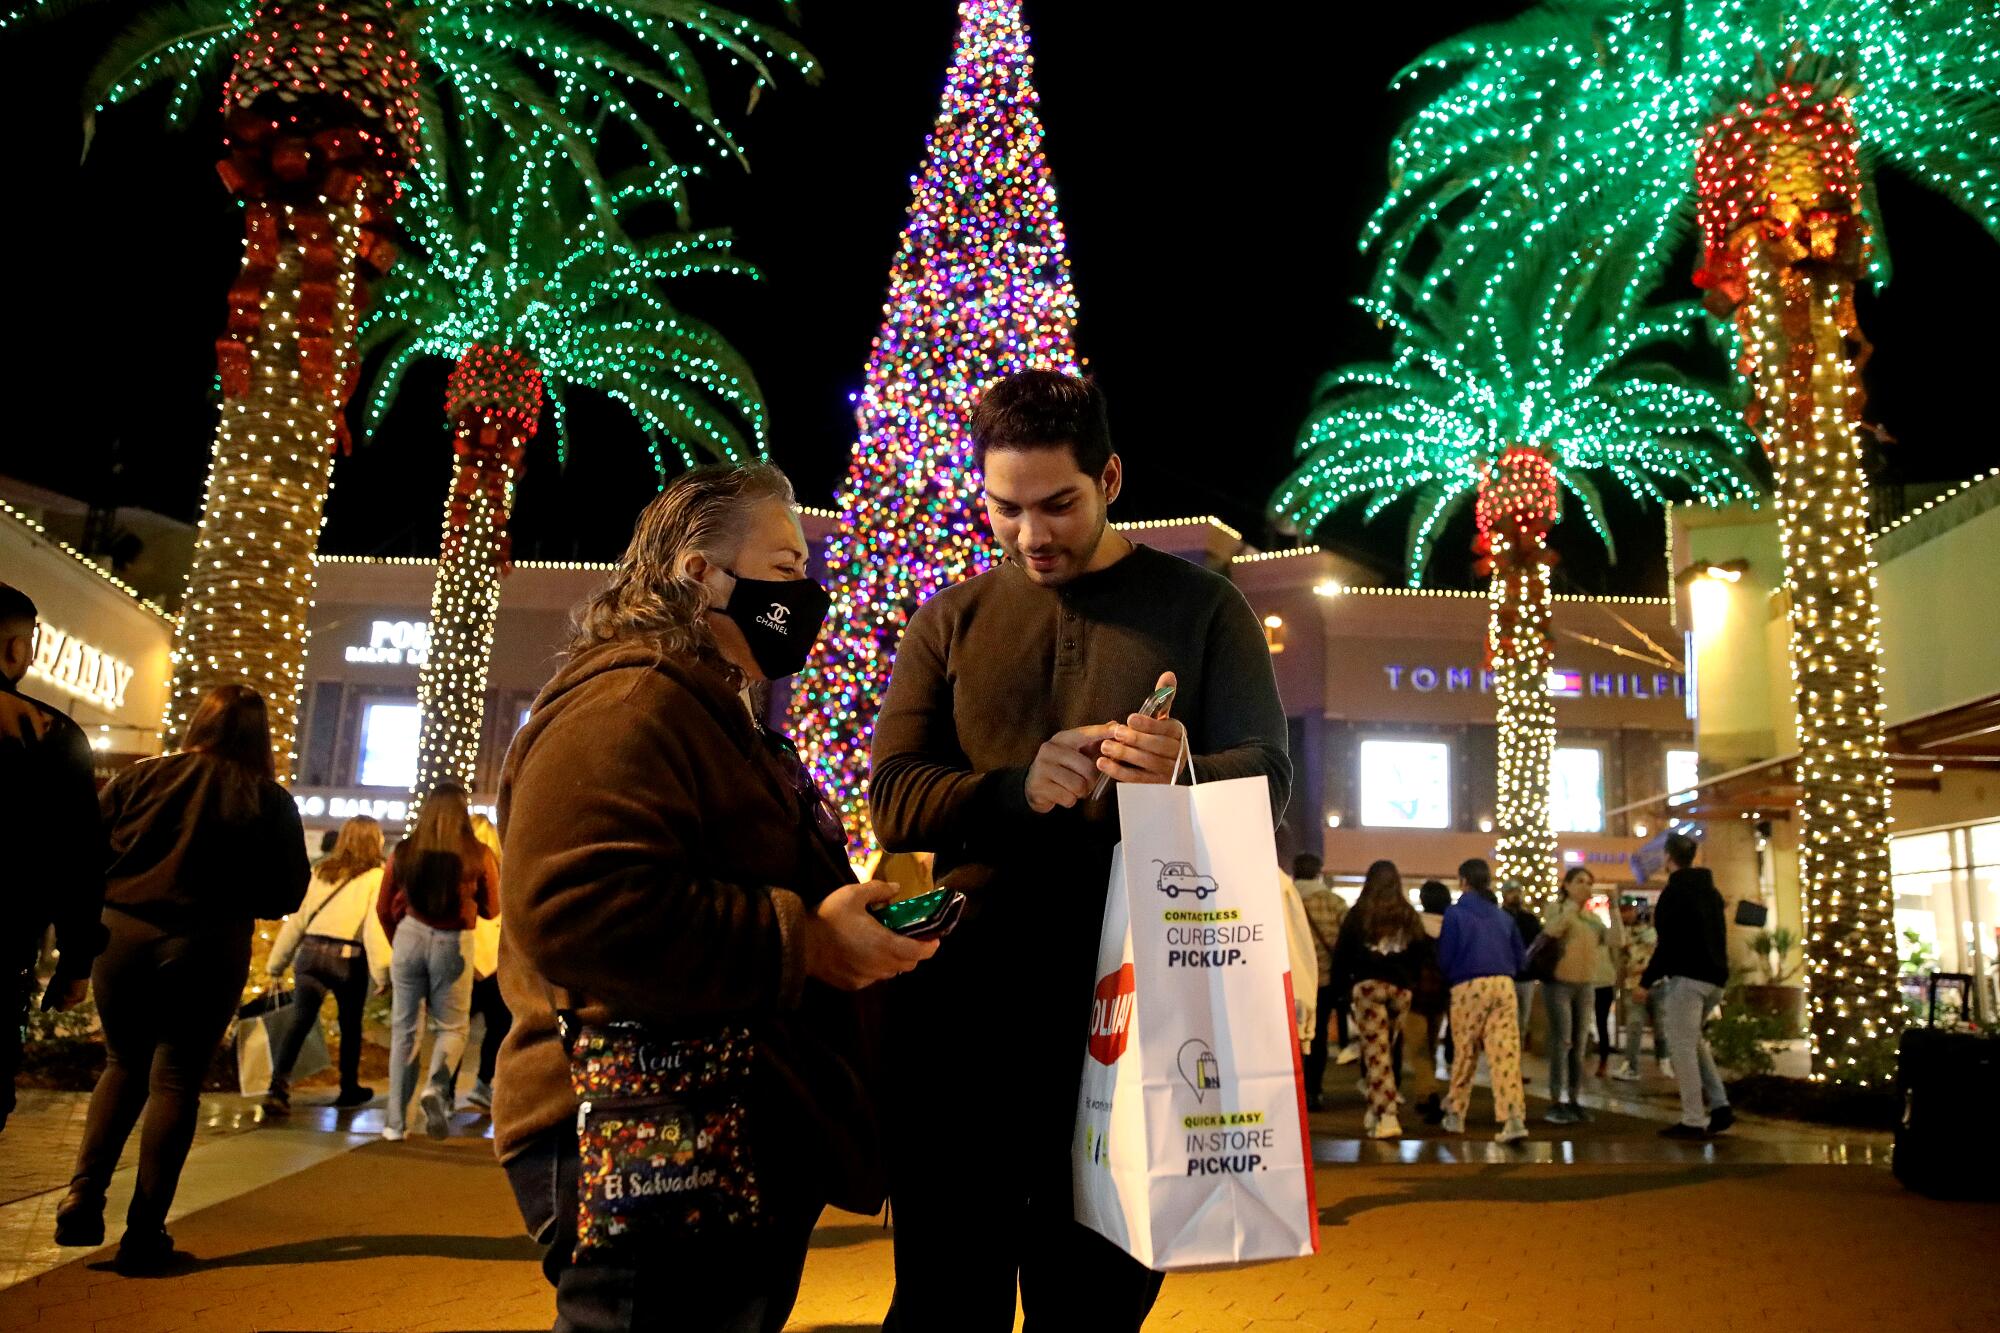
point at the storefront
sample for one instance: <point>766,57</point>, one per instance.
<point>103,654</point>
<point>1941,703</point>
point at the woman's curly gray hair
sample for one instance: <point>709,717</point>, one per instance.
<point>705,511</point>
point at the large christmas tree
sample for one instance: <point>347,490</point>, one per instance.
<point>980,289</point>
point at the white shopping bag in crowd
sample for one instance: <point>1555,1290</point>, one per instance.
<point>260,1025</point>
<point>1191,1139</point>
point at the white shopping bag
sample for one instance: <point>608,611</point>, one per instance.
<point>260,1026</point>
<point>1191,1144</point>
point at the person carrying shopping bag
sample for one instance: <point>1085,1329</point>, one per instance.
<point>333,944</point>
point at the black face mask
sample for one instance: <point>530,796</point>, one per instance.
<point>781,619</point>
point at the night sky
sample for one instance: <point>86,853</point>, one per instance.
<point>1212,180</point>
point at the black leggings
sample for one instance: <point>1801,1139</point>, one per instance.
<point>319,972</point>
<point>486,1002</point>
<point>165,1001</point>
<point>1603,998</point>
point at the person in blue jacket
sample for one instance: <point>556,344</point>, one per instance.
<point>1481,953</point>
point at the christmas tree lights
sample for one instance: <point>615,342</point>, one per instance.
<point>1615,124</point>
<point>980,289</point>
<point>532,294</point>
<point>327,108</point>
<point>1512,403</point>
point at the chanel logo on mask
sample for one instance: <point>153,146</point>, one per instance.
<point>778,618</point>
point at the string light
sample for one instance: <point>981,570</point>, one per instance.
<point>1573,128</point>
<point>980,289</point>
<point>1510,402</point>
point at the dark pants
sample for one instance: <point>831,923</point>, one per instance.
<point>1603,999</point>
<point>981,1109</point>
<point>741,1283</point>
<point>487,1004</point>
<point>322,970</point>
<point>1316,1055</point>
<point>17,993</point>
<point>165,1001</point>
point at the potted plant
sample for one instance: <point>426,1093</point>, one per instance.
<point>1775,952</point>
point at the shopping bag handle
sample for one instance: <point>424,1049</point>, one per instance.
<point>1186,756</point>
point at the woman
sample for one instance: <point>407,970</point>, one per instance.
<point>676,886</point>
<point>202,844</point>
<point>486,1001</point>
<point>440,882</point>
<point>339,943</point>
<point>1377,959</point>
<point>1584,965</point>
<point>1636,1010</point>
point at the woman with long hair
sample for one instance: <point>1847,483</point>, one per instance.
<point>1377,959</point>
<point>203,843</point>
<point>1585,964</point>
<point>439,883</point>
<point>334,943</point>
<point>681,923</point>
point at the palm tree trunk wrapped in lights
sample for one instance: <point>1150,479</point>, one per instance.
<point>321,120</point>
<point>1781,213</point>
<point>1518,503</point>
<point>494,401</point>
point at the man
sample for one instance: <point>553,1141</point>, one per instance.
<point>1689,968</point>
<point>56,858</point>
<point>1529,925</point>
<point>1325,911</point>
<point>1481,953</point>
<point>1013,694</point>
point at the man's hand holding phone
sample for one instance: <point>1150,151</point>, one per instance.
<point>1065,768</point>
<point>847,948</point>
<point>1145,747</point>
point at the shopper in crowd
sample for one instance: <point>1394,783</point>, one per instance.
<point>55,871</point>
<point>203,843</point>
<point>1583,964</point>
<point>671,866</point>
<point>438,885</point>
<point>1325,910</point>
<point>338,943</point>
<point>327,842</point>
<point>487,1003</point>
<point>1689,968</point>
<point>1424,1031</point>
<point>1530,925</point>
<point>1636,1011</point>
<point>1377,959</point>
<point>996,768</point>
<point>1481,953</point>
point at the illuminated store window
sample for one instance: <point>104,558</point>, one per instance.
<point>1683,775</point>
<point>1274,633</point>
<point>1576,789</point>
<point>1406,784</point>
<point>388,746</point>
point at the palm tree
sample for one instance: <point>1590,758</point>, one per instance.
<point>1764,121</point>
<point>1510,404</point>
<point>531,294</point>
<point>326,109</point>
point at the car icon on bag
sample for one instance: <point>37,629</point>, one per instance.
<point>1178,877</point>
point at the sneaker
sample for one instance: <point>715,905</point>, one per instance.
<point>1626,1074</point>
<point>1454,1124</point>
<point>1388,1127</point>
<point>1720,1119</point>
<point>1367,1122</point>
<point>354,1096</point>
<point>1348,1053</point>
<point>80,1218</point>
<point>277,1102</point>
<point>1692,1133</point>
<point>1577,1115</point>
<point>437,1116</point>
<point>1511,1132</point>
<point>481,1095</point>
<point>392,1133</point>
<point>1666,1068</point>
<point>143,1251</point>
<point>1560,1113</point>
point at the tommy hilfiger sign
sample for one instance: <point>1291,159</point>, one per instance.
<point>1563,684</point>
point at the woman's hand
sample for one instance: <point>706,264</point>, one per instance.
<point>847,948</point>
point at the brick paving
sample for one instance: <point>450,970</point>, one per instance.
<point>423,1236</point>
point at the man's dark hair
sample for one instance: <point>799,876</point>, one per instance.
<point>1307,866</point>
<point>1478,876</point>
<point>1043,409</point>
<point>1680,850</point>
<point>328,841</point>
<point>1434,896</point>
<point>16,605</point>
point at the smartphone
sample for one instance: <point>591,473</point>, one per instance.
<point>1155,706</point>
<point>926,916</point>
